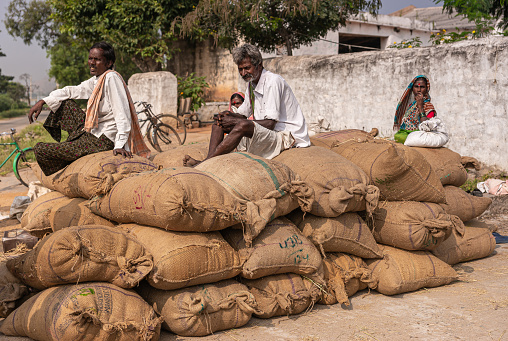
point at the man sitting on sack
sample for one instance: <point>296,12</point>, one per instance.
<point>269,120</point>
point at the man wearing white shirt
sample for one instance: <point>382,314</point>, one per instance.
<point>278,122</point>
<point>113,122</point>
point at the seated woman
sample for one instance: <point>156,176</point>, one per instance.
<point>236,101</point>
<point>414,107</point>
<point>110,122</point>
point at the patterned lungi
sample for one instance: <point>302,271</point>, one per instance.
<point>53,157</point>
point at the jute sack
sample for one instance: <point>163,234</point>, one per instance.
<point>271,185</point>
<point>93,174</point>
<point>345,275</point>
<point>285,294</point>
<point>473,243</point>
<point>346,233</point>
<point>327,139</point>
<point>183,259</point>
<point>203,309</point>
<point>464,205</point>
<point>11,290</point>
<point>446,163</point>
<point>58,214</point>
<point>412,225</point>
<point>400,172</point>
<point>279,248</point>
<point>177,199</point>
<point>174,157</point>
<point>87,311</point>
<point>402,271</point>
<point>83,254</point>
<point>35,219</point>
<point>339,185</point>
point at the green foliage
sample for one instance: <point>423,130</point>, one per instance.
<point>269,24</point>
<point>406,44</point>
<point>13,112</point>
<point>193,87</point>
<point>479,10</point>
<point>68,62</point>
<point>5,102</point>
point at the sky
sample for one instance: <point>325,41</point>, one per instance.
<point>31,59</point>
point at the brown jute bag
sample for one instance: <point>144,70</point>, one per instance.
<point>203,309</point>
<point>339,185</point>
<point>88,311</point>
<point>285,294</point>
<point>327,139</point>
<point>272,186</point>
<point>402,271</point>
<point>345,275</point>
<point>183,259</point>
<point>464,205</point>
<point>93,174</point>
<point>174,157</point>
<point>400,172</point>
<point>83,254</point>
<point>279,248</point>
<point>412,225</point>
<point>346,233</point>
<point>177,199</point>
<point>35,219</point>
<point>11,290</point>
<point>473,243</point>
<point>446,163</point>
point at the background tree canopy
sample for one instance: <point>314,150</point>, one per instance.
<point>478,10</point>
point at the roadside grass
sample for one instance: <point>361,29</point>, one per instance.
<point>27,137</point>
<point>14,113</point>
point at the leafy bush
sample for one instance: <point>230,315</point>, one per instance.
<point>5,102</point>
<point>14,113</point>
<point>193,87</point>
<point>406,44</point>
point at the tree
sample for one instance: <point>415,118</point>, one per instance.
<point>270,23</point>
<point>29,86</point>
<point>479,10</point>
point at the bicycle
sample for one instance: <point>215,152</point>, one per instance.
<point>22,160</point>
<point>160,127</point>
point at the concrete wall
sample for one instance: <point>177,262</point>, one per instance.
<point>469,88</point>
<point>157,88</point>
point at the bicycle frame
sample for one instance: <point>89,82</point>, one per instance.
<point>16,150</point>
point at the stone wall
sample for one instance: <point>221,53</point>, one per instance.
<point>469,88</point>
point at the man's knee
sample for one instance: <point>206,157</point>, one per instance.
<point>245,128</point>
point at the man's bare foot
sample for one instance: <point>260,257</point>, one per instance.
<point>190,162</point>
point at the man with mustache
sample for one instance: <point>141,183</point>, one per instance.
<point>277,122</point>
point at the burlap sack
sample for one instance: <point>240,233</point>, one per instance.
<point>177,199</point>
<point>11,290</point>
<point>400,172</point>
<point>345,275</point>
<point>271,185</point>
<point>54,215</point>
<point>339,185</point>
<point>88,311</point>
<point>402,271</point>
<point>93,174</point>
<point>279,248</point>
<point>285,294</point>
<point>203,309</point>
<point>464,205</point>
<point>346,233</point>
<point>35,219</point>
<point>327,139</point>
<point>183,259</point>
<point>473,243</point>
<point>412,225</point>
<point>83,254</point>
<point>446,163</point>
<point>174,157</point>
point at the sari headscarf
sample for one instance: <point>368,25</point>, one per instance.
<point>241,94</point>
<point>407,109</point>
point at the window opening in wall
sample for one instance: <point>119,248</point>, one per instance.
<point>349,43</point>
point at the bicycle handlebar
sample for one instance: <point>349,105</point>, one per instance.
<point>12,132</point>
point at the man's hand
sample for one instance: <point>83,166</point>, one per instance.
<point>227,120</point>
<point>35,111</point>
<point>419,101</point>
<point>122,151</point>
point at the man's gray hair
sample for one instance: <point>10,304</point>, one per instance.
<point>247,51</point>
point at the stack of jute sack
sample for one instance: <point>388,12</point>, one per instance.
<point>131,245</point>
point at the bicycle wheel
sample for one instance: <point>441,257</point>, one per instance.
<point>176,123</point>
<point>164,136</point>
<point>21,165</point>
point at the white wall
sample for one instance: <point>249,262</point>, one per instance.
<point>469,88</point>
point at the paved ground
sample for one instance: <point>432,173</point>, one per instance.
<point>473,308</point>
